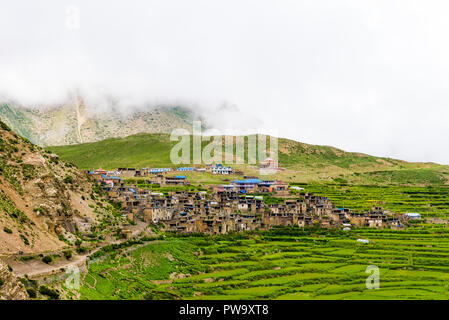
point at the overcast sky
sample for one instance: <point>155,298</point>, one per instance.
<point>366,76</point>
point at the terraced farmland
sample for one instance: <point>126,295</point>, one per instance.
<point>279,264</point>
<point>429,201</point>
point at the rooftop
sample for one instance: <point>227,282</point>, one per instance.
<point>248,181</point>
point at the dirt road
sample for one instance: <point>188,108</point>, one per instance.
<point>35,268</point>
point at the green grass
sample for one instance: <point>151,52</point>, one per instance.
<point>304,162</point>
<point>427,200</point>
<point>405,176</point>
<point>284,263</point>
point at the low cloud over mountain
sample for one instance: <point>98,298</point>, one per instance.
<point>367,76</point>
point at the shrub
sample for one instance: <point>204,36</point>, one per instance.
<point>25,240</point>
<point>47,259</point>
<point>67,254</point>
<point>68,179</point>
<point>7,230</point>
<point>52,293</point>
<point>80,250</point>
<point>31,293</point>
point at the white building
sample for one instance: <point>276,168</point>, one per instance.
<point>220,169</point>
<point>413,215</point>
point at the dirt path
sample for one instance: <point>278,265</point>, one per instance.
<point>35,268</point>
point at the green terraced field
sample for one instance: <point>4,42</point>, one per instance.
<point>278,264</point>
<point>428,200</point>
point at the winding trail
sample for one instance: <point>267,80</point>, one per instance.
<point>35,268</point>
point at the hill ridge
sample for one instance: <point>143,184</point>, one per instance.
<point>75,122</point>
<point>304,162</point>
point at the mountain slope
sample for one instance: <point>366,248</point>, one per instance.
<point>42,199</point>
<point>77,123</point>
<point>10,287</point>
<point>303,162</point>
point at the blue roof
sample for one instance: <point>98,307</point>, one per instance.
<point>132,190</point>
<point>160,169</point>
<point>104,176</point>
<point>180,177</point>
<point>251,181</point>
<point>267,183</point>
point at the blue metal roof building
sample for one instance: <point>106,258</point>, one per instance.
<point>158,170</point>
<point>247,181</point>
<point>186,169</point>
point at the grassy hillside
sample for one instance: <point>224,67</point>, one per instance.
<point>303,162</point>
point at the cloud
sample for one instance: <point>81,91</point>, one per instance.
<point>369,76</point>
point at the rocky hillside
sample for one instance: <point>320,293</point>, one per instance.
<point>45,204</point>
<point>76,122</point>
<point>10,287</point>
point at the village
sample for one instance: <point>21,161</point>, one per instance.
<point>239,205</point>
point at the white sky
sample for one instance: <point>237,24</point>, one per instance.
<point>369,76</point>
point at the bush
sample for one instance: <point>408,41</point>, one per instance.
<point>68,179</point>
<point>32,293</point>
<point>7,230</point>
<point>25,240</point>
<point>67,254</point>
<point>52,293</point>
<point>47,259</point>
<point>80,250</point>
